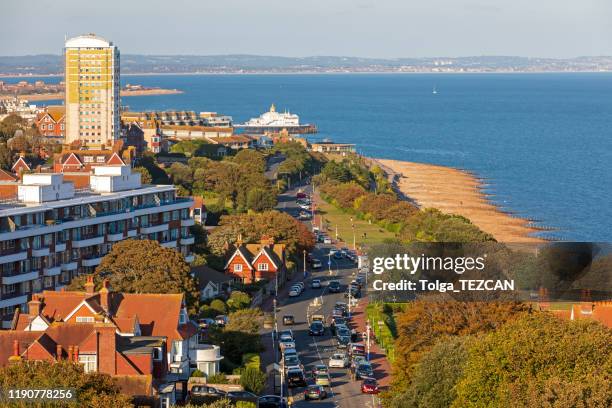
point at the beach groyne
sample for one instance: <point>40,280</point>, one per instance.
<point>455,191</point>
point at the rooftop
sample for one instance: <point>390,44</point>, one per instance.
<point>88,41</point>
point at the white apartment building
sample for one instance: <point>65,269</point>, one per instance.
<point>51,233</point>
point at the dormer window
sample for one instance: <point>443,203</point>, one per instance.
<point>262,267</point>
<point>238,268</point>
<point>84,319</point>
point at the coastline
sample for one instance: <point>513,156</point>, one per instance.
<point>60,95</point>
<point>456,191</point>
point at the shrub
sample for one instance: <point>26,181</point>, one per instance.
<point>219,306</point>
<point>253,380</point>
<point>238,300</point>
<point>218,378</point>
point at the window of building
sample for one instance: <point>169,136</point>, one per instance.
<point>89,362</point>
<point>238,268</point>
<point>50,126</point>
<point>262,267</point>
<point>100,159</point>
<point>84,319</point>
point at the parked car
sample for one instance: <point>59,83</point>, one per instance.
<point>334,286</point>
<point>357,349</point>
<point>206,322</point>
<point>242,396</point>
<point>288,320</point>
<point>364,370</point>
<point>293,362</point>
<point>286,342</point>
<point>323,380</point>
<point>271,401</point>
<point>342,342</point>
<point>202,394</point>
<point>369,386</point>
<point>316,329</point>
<point>315,284</point>
<point>316,264</point>
<point>304,215</point>
<point>338,360</point>
<point>295,378</point>
<point>357,360</point>
<point>295,291</point>
<point>221,320</point>
<point>327,240</point>
<point>315,392</point>
<point>289,351</point>
<point>300,285</point>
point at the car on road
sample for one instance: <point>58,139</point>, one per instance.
<point>327,240</point>
<point>289,352</point>
<point>271,401</point>
<point>300,285</point>
<point>337,255</point>
<point>316,264</point>
<point>357,349</point>
<point>318,369</point>
<point>286,333</point>
<point>316,392</point>
<point>316,329</point>
<point>315,284</point>
<point>286,342</point>
<point>338,360</point>
<point>296,378</point>
<point>202,394</point>
<point>288,320</point>
<point>242,396</point>
<point>323,379</point>
<point>342,342</point>
<point>364,370</point>
<point>369,386</point>
<point>304,216</point>
<point>293,362</point>
<point>295,291</point>
<point>334,286</point>
<point>357,360</point>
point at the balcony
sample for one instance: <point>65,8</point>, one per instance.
<point>115,237</point>
<point>14,301</point>
<point>153,229</point>
<point>187,222</point>
<point>189,258</point>
<point>187,241</point>
<point>60,246</point>
<point>21,277</point>
<point>205,353</point>
<point>53,271</point>
<point>169,244</point>
<point>41,251</point>
<point>18,256</point>
<point>132,233</point>
<point>92,261</point>
<point>69,266</point>
<point>85,242</point>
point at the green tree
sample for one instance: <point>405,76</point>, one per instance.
<point>94,390</point>
<point>245,321</point>
<point>253,380</point>
<point>540,360</point>
<point>145,176</point>
<point>6,157</point>
<point>218,306</point>
<point>144,266</point>
<point>181,175</point>
<point>260,199</point>
<point>238,300</point>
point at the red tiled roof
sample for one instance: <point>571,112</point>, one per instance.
<point>7,338</point>
<point>6,176</point>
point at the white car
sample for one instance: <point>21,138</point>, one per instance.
<point>316,264</point>
<point>338,360</point>
<point>285,343</point>
<point>327,240</point>
<point>300,285</point>
<point>295,291</point>
<point>315,284</point>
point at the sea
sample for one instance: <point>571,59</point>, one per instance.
<point>541,142</point>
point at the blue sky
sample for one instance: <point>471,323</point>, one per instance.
<point>365,28</point>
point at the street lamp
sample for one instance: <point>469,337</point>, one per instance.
<point>368,340</point>
<point>304,264</point>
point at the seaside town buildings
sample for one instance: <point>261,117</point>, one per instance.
<point>92,90</point>
<point>120,334</point>
<point>51,123</point>
<point>52,231</point>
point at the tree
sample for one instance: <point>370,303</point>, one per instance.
<point>260,199</point>
<point>181,175</point>
<point>238,300</point>
<point>145,176</point>
<point>218,306</point>
<point>144,266</point>
<point>540,360</point>
<point>6,158</point>
<point>245,321</point>
<point>93,390</point>
<point>253,380</point>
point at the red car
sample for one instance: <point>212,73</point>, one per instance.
<point>369,386</point>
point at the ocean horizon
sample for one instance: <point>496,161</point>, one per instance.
<point>541,142</point>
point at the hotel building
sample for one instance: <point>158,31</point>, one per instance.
<point>92,90</point>
<point>52,232</point>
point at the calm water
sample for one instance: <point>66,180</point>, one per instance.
<point>543,141</point>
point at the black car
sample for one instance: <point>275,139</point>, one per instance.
<point>364,371</point>
<point>295,378</point>
<point>271,401</point>
<point>202,394</point>
<point>242,396</point>
<point>343,341</point>
<point>334,287</point>
<point>316,329</point>
<point>288,320</point>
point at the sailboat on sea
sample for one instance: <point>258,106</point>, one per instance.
<point>435,91</point>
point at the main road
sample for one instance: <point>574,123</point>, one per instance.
<point>343,391</point>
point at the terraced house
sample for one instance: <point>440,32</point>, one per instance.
<point>51,231</point>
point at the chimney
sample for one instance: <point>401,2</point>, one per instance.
<point>106,348</point>
<point>76,354</point>
<point>58,352</point>
<point>89,285</point>
<point>105,295</point>
<point>16,348</point>
<point>70,352</point>
<point>34,306</point>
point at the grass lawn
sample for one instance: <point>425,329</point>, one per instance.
<point>209,201</point>
<point>334,217</point>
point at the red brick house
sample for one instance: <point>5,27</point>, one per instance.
<point>50,123</point>
<point>248,263</point>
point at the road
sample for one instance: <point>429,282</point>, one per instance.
<point>316,350</point>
